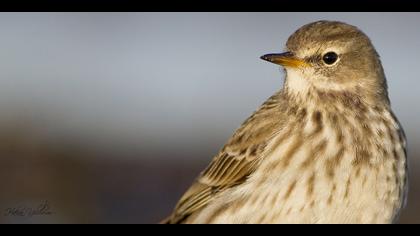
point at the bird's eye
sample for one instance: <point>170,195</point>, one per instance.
<point>330,58</point>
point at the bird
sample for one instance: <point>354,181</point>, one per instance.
<point>326,148</point>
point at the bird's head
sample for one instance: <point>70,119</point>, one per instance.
<point>331,57</point>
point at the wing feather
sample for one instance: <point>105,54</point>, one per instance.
<point>235,162</point>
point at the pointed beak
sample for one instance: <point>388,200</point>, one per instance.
<point>286,59</point>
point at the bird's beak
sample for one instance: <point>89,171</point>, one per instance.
<point>286,59</point>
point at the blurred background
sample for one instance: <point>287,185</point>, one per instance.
<point>108,117</point>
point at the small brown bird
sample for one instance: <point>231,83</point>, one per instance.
<point>325,149</point>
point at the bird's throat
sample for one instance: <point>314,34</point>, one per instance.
<point>295,83</point>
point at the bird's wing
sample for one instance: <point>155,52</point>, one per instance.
<point>234,163</point>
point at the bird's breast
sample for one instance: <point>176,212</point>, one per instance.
<point>325,168</point>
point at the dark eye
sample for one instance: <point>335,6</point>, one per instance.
<point>330,58</point>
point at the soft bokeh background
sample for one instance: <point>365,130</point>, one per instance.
<point>110,116</point>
